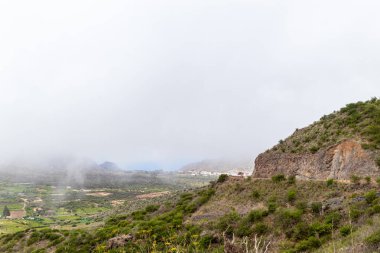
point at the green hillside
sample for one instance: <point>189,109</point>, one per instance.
<point>359,121</point>
<point>294,216</point>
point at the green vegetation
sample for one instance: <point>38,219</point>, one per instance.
<point>355,179</point>
<point>330,182</point>
<point>6,212</point>
<point>222,178</point>
<point>292,216</point>
<point>356,120</point>
<point>278,178</point>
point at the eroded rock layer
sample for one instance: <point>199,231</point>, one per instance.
<point>340,161</point>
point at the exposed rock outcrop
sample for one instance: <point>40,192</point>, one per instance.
<point>118,241</point>
<point>339,162</point>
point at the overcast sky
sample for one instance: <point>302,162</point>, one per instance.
<point>169,82</point>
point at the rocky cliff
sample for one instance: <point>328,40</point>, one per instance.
<point>338,146</point>
<point>340,161</point>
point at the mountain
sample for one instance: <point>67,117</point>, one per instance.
<point>217,167</point>
<point>343,144</point>
<point>109,166</point>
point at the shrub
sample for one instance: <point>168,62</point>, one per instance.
<point>256,215</point>
<point>314,149</point>
<point>355,213</point>
<point>300,231</point>
<point>333,218</point>
<point>378,161</point>
<point>243,228</point>
<point>345,230</point>
<point>321,229</point>
<point>152,208</point>
<point>255,194</point>
<point>278,178</point>
<point>355,179</point>
<point>291,179</point>
<point>260,228</point>
<point>316,207</point>
<point>291,195</point>
<point>373,239</point>
<point>368,179</point>
<point>370,196</point>
<point>376,208</point>
<point>301,205</point>
<point>222,178</point>
<point>289,217</point>
<point>309,244</point>
<point>378,180</point>
<point>272,206</point>
<point>330,182</point>
<point>206,241</point>
<point>228,222</point>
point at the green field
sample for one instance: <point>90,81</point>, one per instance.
<point>66,207</point>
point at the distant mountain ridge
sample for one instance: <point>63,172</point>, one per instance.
<point>109,166</point>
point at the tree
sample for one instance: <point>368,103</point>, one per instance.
<point>6,212</point>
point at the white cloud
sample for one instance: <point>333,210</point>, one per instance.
<point>171,81</point>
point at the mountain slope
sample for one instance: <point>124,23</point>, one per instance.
<point>339,145</point>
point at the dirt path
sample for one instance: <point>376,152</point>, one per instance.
<point>24,205</point>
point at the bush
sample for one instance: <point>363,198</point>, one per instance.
<point>373,239</point>
<point>316,207</point>
<point>151,208</point>
<point>301,205</point>
<point>321,229</point>
<point>255,194</point>
<point>206,241</point>
<point>278,178</point>
<point>291,179</point>
<point>370,196</point>
<point>222,178</point>
<point>330,182</point>
<point>243,228</point>
<point>378,161</point>
<point>289,217</point>
<point>345,230</point>
<point>309,244</point>
<point>272,206</point>
<point>355,213</point>
<point>376,208</point>
<point>300,231</point>
<point>367,179</point>
<point>355,179</point>
<point>256,215</point>
<point>333,218</point>
<point>378,180</point>
<point>291,195</point>
<point>260,228</point>
<point>227,222</point>
<point>314,149</point>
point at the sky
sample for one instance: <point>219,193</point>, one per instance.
<point>150,83</point>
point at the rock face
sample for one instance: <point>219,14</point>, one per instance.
<point>339,162</point>
<point>118,241</point>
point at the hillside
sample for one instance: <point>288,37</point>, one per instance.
<point>279,214</point>
<point>339,145</point>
